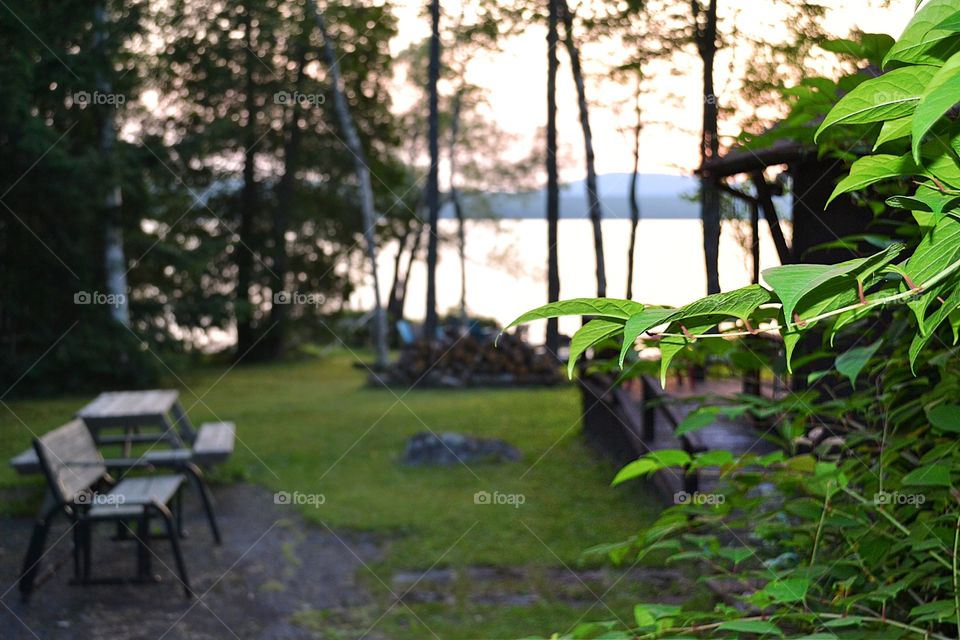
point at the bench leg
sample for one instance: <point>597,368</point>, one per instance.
<point>172,533</point>
<point>86,534</point>
<point>31,561</point>
<point>196,476</point>
<point>144,569</point>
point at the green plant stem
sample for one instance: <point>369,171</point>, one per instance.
<point>896,297</point>
<point>956,582</point>
<point>899,525</point>
<point>823,517</point>
<point>822,616</point>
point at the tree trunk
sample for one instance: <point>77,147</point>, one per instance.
<point>433,180</point>
<point>402,293</point>
<point>706,38</point>
<point>285,188</point>
<point>553,186</point>
<point>395,285</point>
<point>363,180</point>
<point>593,197</point>
<point>115,269</point>
<point>634,196</point>
<point>243,308</point>
<point>458,207</point>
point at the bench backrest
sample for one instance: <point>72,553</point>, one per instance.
<point>70,460</point>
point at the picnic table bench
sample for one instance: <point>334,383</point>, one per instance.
<point>154,419</point>
<point>80,487</point>
<point>135,413</point>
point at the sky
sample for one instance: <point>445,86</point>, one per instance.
<point>515,79</point>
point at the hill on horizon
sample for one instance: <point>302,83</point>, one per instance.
<point>660,196</point>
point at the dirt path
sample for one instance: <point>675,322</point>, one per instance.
<point>275,577</point>
<point>270,567</point>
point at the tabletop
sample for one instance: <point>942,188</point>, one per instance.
<point>114,405</point>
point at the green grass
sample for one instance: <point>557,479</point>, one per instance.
<point>316,427</point>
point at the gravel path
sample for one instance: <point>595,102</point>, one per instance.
<point>271,566</point>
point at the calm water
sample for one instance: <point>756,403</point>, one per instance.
<point>506,265</point>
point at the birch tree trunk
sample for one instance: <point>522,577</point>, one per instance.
<point>433,179</point>
<point>553,186</point>
<point>593,198</point>
<point>114,262</point>
<point>363,179</point>
<point>458,206</point>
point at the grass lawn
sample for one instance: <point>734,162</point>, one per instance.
<point>315,427</point>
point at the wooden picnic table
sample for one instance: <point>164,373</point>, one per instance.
<point>151,418</point>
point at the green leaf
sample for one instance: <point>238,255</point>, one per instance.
<point>890,96</point>
<point>846,621</point>
<point>922,42</point>
<point>704,314</point>
<point>635,469</point>
<point>869,170</point>
<point>925,198</point>
<point>938,249</point>
<point>761,627</point>
<point>893,130</point>
<point>793,282</point>
<point>670,346</point>
<point>945,418</point>
<point>670,457</point>
<point>933,611</point>
<point>739,303</point>
<point>937,163</point>
<point>931,475</point>
<point>735,554</point>
<point>782,592</point>
<point>697,420</point>
<point>588,335</point>
<point>603,307</point>
<point>643,617</point>
<point>950,24</point>
<point>716,458</point>
<point>930,324</point>
<point>940,95</point>
<point>639,324</point>
<point>851,363</point>
<point>651,462</point>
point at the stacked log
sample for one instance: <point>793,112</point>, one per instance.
<point>466,361</point>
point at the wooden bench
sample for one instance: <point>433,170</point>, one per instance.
<point>154,418</point>
<point>81,489</point>
<point>213,445</point>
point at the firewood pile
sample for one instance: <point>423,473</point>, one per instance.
<point>471,362</point>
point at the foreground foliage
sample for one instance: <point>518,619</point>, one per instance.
<point>852,530</point>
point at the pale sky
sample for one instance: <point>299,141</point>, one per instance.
<point>515,79</point>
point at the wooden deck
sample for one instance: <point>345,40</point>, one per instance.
<point>641,416</point>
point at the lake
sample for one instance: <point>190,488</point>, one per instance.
<point>506,265</point>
